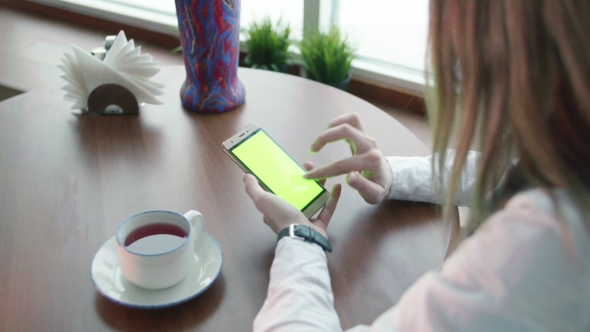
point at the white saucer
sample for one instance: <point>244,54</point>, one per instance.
<point>107,277</point>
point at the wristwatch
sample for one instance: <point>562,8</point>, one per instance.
<point>307,234</point>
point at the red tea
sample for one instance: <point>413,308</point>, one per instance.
<point>155,238</point>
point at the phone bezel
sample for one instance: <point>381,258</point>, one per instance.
<point>313,207</point>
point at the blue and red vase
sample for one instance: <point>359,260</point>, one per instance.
<point>209,36</point>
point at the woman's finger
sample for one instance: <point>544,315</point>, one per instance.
<point>308,165</point>
<point>369,161</point>
<point>371,192</point>
<point>330,206</point>
<point>255,191</point>
<point>351,118</point>
<point>360,142</point>
<point>253,188</point>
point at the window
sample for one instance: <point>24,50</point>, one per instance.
<point>389,31</point>
<point>290,12</point>
<point>160,6</point>
<point>390,35</point>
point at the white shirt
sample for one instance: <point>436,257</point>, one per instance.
<point>522,270</point>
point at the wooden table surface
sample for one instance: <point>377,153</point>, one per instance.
<point>67,180</point>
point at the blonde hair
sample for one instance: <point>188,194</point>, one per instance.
<point>512,79</point>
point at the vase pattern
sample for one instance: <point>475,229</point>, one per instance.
<point>209,36</point>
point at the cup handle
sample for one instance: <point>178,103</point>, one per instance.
<point>196,219</point>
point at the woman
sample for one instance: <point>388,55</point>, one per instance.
<point>512,78</point>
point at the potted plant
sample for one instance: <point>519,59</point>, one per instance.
<point>267,45</point>
<point>327,57</point>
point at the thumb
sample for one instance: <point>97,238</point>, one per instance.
<point>271,206</point>
<point>253,188</point>
<point>372,192</point>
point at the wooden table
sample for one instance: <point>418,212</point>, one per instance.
<point>68,180</point>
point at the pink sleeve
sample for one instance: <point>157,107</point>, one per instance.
<point>516,273</point>
<point>299,294</point>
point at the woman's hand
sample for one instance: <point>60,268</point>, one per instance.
<point>278,214</point>
<point>368,171</point>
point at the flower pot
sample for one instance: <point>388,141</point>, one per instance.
<point>344,84</point>
<point>209,36</point>
<point>282,69</point>
<point>340,85</point>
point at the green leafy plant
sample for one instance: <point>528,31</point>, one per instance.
<point>267,45</point>
<point>326,57</point>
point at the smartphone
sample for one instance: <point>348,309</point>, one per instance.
<point>277,172</point>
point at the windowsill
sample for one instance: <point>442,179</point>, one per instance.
<point>410,80</point>
<point>142,18</point>
<point>405,79</point>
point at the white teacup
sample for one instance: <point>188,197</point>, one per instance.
<point>155,270</point>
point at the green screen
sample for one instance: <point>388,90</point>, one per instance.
<point>276,169</point>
